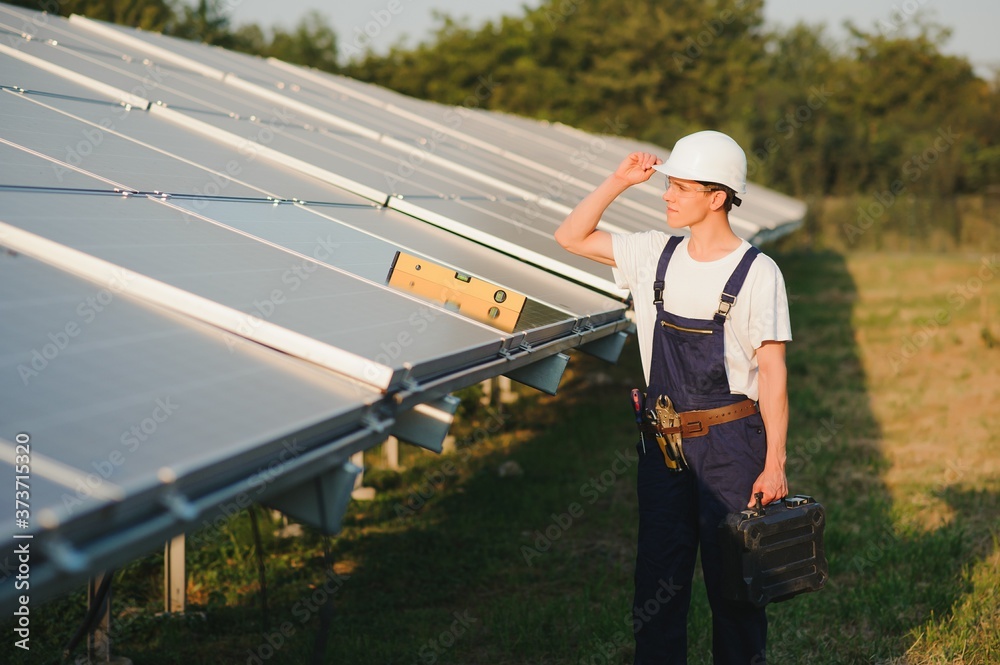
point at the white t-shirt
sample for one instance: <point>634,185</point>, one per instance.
<point>692,289</point>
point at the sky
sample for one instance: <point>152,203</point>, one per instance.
<point>380,23</point>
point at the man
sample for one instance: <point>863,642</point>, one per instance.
<point>712,317</point>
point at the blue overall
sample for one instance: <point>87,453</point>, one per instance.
<point>680,511</point>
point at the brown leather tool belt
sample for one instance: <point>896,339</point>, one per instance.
<point>697,423</point>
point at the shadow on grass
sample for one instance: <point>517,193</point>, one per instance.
<point>886,582</point>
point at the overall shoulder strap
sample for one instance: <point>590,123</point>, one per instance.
<point>661,270</point>
<point>735,283</point>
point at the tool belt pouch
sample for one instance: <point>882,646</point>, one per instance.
<point>668,433</point>
<point>774,552</point>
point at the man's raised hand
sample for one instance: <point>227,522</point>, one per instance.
<point>637,168</point>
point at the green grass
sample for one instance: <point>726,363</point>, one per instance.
<point>903,455</point>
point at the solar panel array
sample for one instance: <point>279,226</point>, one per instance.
<point>221,276</point>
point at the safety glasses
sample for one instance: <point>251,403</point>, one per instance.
<point>685,191</point>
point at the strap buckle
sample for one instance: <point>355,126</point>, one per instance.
<point>657,292</point>
<point>726,302</point>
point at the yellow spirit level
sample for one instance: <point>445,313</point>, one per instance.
<point>470,296</point>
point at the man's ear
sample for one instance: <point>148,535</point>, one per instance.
<point>717,199</point>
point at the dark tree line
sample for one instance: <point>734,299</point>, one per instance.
<point>818,117</point>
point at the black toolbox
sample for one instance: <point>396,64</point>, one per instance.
<point>774,552</point>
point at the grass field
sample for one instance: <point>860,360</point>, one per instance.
<point>895,394</point>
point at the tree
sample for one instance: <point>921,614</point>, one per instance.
<point>655,66</point>
<point>205,22</point>
<point>312,43</point>
<point>914,104</point>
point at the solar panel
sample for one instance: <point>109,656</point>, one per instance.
<point>97,148</point>
<point>369,236</point>
<point>260,281</point>
<point>19,23</point>
<point>21,166</point>
<point>299,228</point>
<point>209,61</point>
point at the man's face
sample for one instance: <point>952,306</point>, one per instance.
<point>688,202</point>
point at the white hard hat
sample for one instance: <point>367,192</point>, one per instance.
<point>708,156</point>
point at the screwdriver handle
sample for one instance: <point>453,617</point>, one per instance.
<point>637,404</point>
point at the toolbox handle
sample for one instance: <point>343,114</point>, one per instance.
<point>759,508</point>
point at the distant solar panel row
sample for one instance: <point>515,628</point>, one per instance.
<point>213,265</point>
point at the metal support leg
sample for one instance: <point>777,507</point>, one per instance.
<point>507,394</point>
<point>174,577</point>
<point>487,388</point>
<point>99,637</point>
<point>361,493</point>
<point>391,448</point>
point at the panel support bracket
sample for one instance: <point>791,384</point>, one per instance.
<point>543,375</point>
<point>608,348</point>
<point>426,425</point>
<point>322,501</point>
